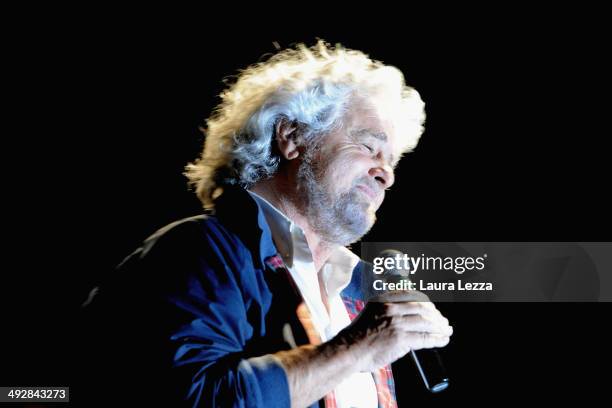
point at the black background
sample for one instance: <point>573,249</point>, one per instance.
<point>513,151</point>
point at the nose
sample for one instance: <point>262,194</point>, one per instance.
<point>383,174</point>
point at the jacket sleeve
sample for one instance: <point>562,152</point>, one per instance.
<point>211,303</point>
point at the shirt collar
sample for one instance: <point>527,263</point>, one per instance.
<point>280,225</point>
<point>291,243</point>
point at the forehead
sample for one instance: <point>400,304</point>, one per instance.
<point>363,116</point>
<point>364,120</point>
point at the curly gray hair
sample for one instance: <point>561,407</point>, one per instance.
<point>310,86</point>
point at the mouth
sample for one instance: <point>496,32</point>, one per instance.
<point>367,191</point>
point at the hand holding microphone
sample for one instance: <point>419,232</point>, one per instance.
<point>428,362</point>
<point>393,325</point>
<point>426,359</point>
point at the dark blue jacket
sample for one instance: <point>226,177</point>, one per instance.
<point>188,316</point>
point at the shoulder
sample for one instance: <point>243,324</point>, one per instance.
<point>200,234</point>
<point>190,248</point>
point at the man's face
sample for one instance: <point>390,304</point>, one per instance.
<point>344,180</point>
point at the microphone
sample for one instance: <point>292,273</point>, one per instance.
<point>427,361</point>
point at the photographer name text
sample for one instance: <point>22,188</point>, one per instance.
<point>409,285</point>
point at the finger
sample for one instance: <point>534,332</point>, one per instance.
<point>422,340</point>
<point>430,314</point>
<point>427,309</point>
<point>409,308</point>
<point>401,296</point>
<point>418,323</point>
<point>430,305</point>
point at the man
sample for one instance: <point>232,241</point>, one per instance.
<point>252,306</point>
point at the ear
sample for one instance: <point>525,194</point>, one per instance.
<point>287,138</point>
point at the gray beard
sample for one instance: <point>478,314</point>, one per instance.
<point>340,220</point>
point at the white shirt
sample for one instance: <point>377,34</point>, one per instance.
<point>357,390</point>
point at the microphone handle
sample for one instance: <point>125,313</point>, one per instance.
<point>429,365</point>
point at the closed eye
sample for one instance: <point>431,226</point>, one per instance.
<point>370,148</point>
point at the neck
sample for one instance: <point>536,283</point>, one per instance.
<point>279,194</point>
